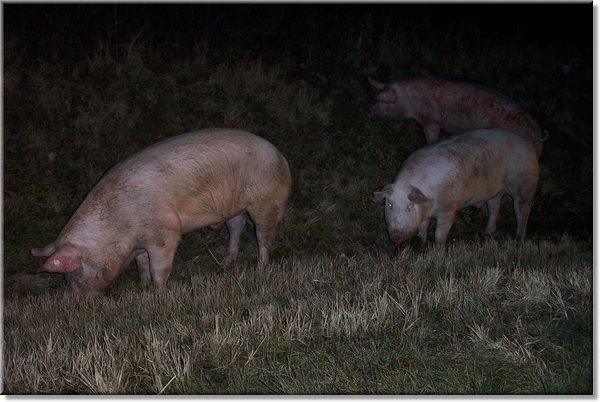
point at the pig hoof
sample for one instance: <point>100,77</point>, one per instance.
<point>489,236</point>
<point>144,285</point>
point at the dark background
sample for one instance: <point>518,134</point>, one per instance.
<point>540,55</point>
<point>82,23</point>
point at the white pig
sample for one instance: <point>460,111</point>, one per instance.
<point>473,168</point>
<point>141,207</point>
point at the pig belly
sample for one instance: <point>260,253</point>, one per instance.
<point>192,222</point>
<point>183,218</point>
<point>479,200</point>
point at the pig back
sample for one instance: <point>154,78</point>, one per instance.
<point>187,181</point>
<point>470,166</point>
<point>469,107</point>
<point>203,159</point>
<point>211,171</point>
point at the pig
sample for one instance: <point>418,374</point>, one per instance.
<point>473,168</point>
<point>442,106</point>
<point>141,207</point>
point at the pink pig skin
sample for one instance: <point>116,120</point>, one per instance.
<point>140,208</point>
<point>452,107</point>
<point>473,168</point>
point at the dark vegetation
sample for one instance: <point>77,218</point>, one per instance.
<point>87,85</point>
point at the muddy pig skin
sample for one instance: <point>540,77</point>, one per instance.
<point>140,208</point>
<point>473,168</point>
<point>450,107</point>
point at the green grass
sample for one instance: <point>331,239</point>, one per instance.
<point>336,312</point>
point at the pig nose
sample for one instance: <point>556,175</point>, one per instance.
<point>396,236</point>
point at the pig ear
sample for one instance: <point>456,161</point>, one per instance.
<point>376,84</point>
<point>388,95</point>
<point>43,251</point>
<point>63,261</point>
<point>417,196</point>
<point>378,196</point>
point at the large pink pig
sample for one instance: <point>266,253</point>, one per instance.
<point>452,107</point>
<point>473,168</point>
<point>141,207</point>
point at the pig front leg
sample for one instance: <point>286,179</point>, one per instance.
<point>422,234</point>
<point>235,226</point>
<point>432,132</point>
<point>442,227</point>
<point>142,261</point>
<point>160,255</point>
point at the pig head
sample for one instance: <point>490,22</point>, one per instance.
<point>406,210</point>
<point>82,277</point>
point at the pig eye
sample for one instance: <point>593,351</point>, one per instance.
<point>388,204</point>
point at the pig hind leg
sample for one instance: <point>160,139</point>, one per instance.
<point>522,196</point>
<point>235,226</point>
<point>266,218</point>
<point>493,206</point>
<point>522,205</point>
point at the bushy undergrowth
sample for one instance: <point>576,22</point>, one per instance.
<point>332,314</point>
<point>496,318</point>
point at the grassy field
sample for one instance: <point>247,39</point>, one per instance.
<point>488,318</point>
<point>337,311</point>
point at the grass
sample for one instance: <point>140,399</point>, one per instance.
<point>336,311</point>
<point>496,319</point>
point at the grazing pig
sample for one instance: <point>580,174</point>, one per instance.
<point>473,168</point>
<point>140,208</point>
<point>452,107</point>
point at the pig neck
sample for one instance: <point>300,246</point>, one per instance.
<point>432,176</point>
<point>422,173</point>
<point>94,236</point>
<point>421,107</point>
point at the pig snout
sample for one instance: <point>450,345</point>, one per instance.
<point>81,283</point>
<point>398,236</point>
<point>373,112</point>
